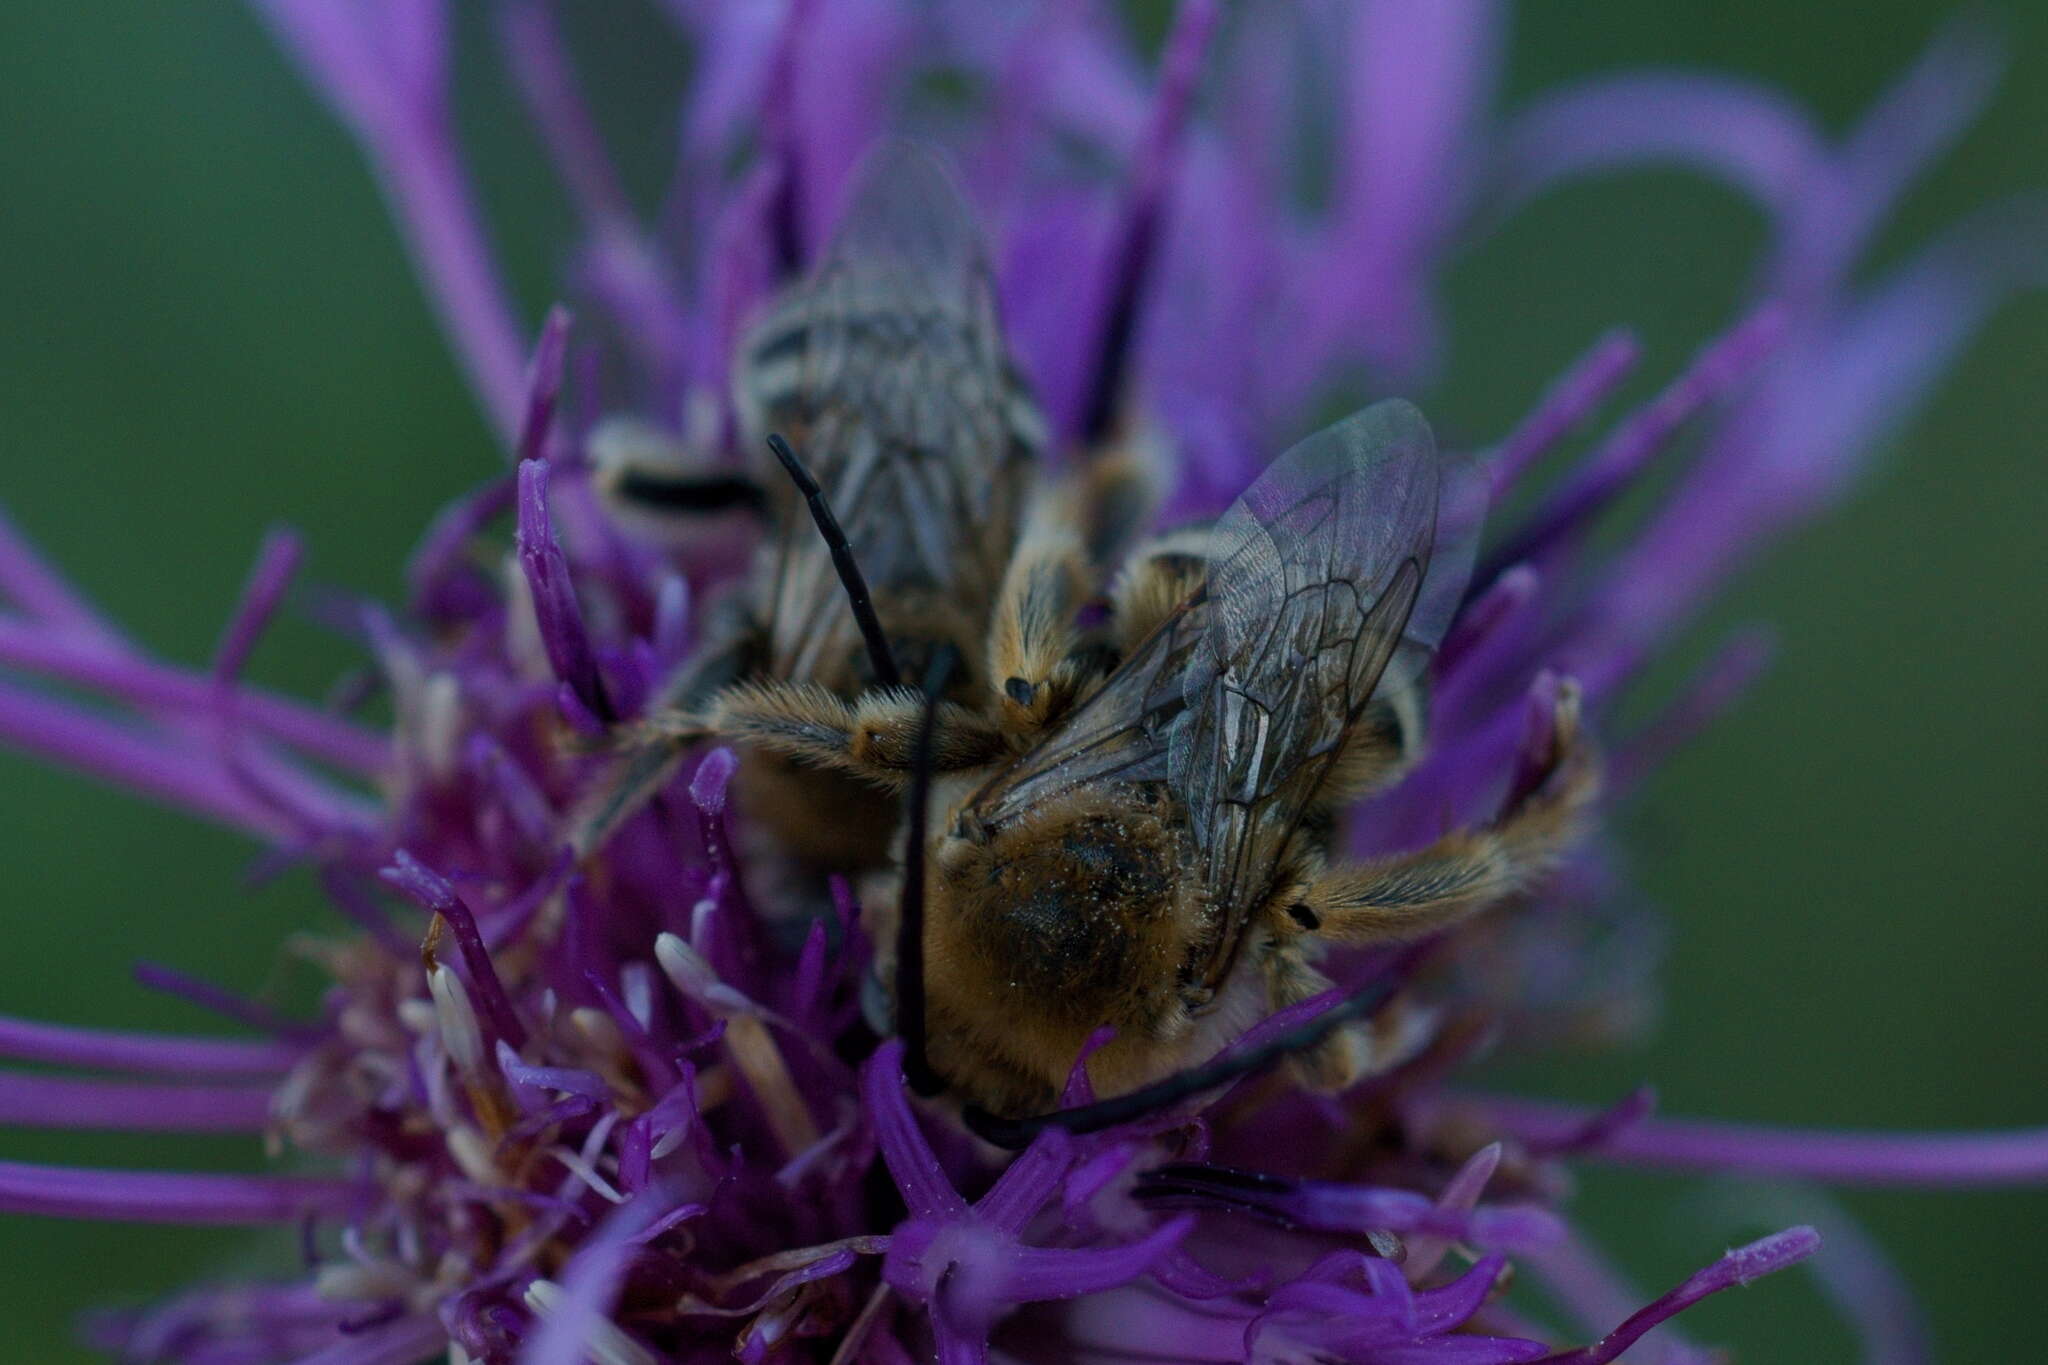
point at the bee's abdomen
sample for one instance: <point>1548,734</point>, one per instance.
<point>1086,924</point>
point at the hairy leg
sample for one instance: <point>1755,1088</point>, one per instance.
<point>1353,1051</point>
<point>1113,495</point>
<point>873,737</point>
<point>1031,632</point>
<point>1416,893</point>
<point>1162,574</point>
<point>648,753</point>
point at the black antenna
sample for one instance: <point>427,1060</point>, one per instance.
<point>1150,1099</point>
<point>910,1009</point>
<point>879,658</point>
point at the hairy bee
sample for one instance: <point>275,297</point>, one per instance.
<point>1157,861</point>
<point>921,450</point>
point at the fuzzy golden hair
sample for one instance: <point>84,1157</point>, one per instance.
<point>1078,917</point>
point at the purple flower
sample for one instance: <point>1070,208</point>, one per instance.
<point>617,1108</point>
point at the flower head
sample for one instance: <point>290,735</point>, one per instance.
<point>621,1104</point>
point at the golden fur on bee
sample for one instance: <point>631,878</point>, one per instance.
<point>1065,891</point>
<point>887,369</point>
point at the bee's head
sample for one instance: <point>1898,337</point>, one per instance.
<point>1041,932</point>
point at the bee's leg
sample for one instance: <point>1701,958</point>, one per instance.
<point>1031,632</point>
<point>874,738</point>
<point>733,645</point>
<point>1344,1055</point>
<point>649,751</point>
<point>1384,743</point>
<point>643,768</point>
<point>1071,532</point>
<point>1159,577</point>
<point>1354,1051</point>
<point>1417,893</point>
<point>1113,495</point>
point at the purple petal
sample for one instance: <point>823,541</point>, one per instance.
<point>160,1197</point>
<point>383,64</point>
<point>553,588</point>
<point>736,44</point>
<point>1601,1127</point>
<point>1035,1274</point>
<point>1418,78</point>
<point>1621,459</point>
<point>1328,1206</point>
<point>1867,1289</point>
<point>1741,132</point>
<point>543,386</point>
<point>1914,122</point>
<point>909,1157</point>
<point>276,562</point>
<point>1045,243</point>
<point>147,1053</point>
<point>150,765</point>
<point>708,783</point>
<point>590,1283</point>
<point>1071,66</point>
<point>68,1102</point>
<point>69,656</point>
<point>848,60</point>
<point>1134,243</point>
<point>567,1080</point>
<point>512,789</point>
<point>435,571</point>
<point>1030,1180</point>
<point>1224,273</point>
<point>397,1343</point>
<point>433,892</point>
<point>1459,1194</point>
<point>1460,1351</point>
<point>1794,444</point>
<point>1566,404</point>
<point>1508,597</point>
<point>1714,691</point>
<point>540,63</point>
<point>1442,1310</point>
<point>220,1000</point>
<point>1591,1293</point>
<point>41,591</point>
<point>1738,1267</point>
<point>1136,1323</point>
<point>1840,1158</point>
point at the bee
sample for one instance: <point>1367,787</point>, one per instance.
<point>920,489</point>
<point>1158,859</point>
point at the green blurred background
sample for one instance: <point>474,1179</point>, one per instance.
<point>210,328</point>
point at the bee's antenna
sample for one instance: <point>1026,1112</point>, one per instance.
<point>910,1021</point>
<point>879,658</point>
<point>1164,1094</point>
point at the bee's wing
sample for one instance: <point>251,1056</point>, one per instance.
<point>1240,702</point>
<point>1314,582</point>
<point>1121,734</point>
<point>888,373</point>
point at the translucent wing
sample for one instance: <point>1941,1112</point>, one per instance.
<point>1315,576</point>
<point>1241,701</point>
<point>887,372</point>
